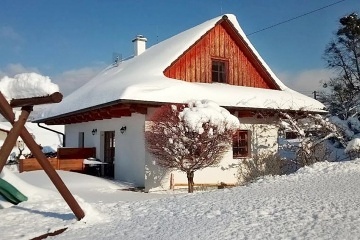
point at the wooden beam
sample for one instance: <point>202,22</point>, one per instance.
<point>120,113</point>
<point>22,102</point>
<point>11,138</point>
<point>138,109</point>
<point>245,114</point>
<point>114,111</point>
<point>105,113</point>
<point>50,171</point>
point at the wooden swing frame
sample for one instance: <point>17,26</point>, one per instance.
<point>19,129</point>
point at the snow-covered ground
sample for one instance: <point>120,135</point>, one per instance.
<point>317,202</point>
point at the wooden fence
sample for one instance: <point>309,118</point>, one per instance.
<point>68,159</point>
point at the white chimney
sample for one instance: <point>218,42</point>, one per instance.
<point>139,45</point>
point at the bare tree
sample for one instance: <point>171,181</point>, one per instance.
<point>184,138</point>
<point>343,56</point>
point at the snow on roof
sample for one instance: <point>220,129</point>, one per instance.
<point>26,85</point>
<point>141,78</point>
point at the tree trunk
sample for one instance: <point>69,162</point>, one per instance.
<point>190,177</point>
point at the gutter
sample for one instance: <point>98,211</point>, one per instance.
<point>52,130</point>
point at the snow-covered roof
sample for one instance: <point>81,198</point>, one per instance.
<point>141,78</point>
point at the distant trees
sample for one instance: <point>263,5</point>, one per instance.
<point>189,137</point>
<point>343,55</point>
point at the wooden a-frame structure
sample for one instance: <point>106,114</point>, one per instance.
<point>19,129</point>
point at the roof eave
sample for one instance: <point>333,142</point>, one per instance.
<point>156,104</point>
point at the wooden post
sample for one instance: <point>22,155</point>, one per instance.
<point>172,181</point>
<point>7,112</point>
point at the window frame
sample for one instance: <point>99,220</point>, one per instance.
<point>220,74</point>
<point>241,140</point>
<point>81,139</point>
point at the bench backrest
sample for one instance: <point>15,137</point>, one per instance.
<point>75,153</point>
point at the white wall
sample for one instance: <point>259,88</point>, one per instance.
<point>263,138</point>
<point>3,135</point>
<point>264,133</point>
<point>155,177</point>
<point>130,165</point>
<point>134,164</point>
<point>129,147</point>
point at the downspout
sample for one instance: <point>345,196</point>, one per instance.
<point>52,130</point>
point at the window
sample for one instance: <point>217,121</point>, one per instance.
<point>241,144</point>
<point>81,140</point>
<point>219,69</point>
<point>290,135</point>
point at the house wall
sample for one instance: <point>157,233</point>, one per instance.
<point>264,133</point>
<point>155,177</point>
<point>134,164</point>
<point>49,140</point>
<point>263,139</point>
<point>3,136</point>
<point>195,64</point>
<point>129,146</point>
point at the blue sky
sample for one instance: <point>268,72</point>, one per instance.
<point>72,40</point>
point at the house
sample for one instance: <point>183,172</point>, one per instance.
<point>50,140</point>
<point>214,61</point>
<point>4,131</point>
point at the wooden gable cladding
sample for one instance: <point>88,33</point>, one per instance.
<point>108,112</point>
<point>222,42</point>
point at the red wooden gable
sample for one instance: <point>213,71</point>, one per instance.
<point>222,42</point>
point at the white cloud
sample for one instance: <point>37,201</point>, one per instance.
<point>10,34</point>
<point>70,80</point>
<point>306,81</point>
<point>10,39</point>
<point>16,68</point>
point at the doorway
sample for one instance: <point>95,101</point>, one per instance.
<point>109,153</point>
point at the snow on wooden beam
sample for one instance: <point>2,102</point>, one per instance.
<point>23,102</point>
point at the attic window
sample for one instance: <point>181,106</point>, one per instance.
<point>219,70</point>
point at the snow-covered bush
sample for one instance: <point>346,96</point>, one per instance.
<point>350,130</point>
<point>353,148</point>
<point>189,137</point>
<point>317,137</point>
